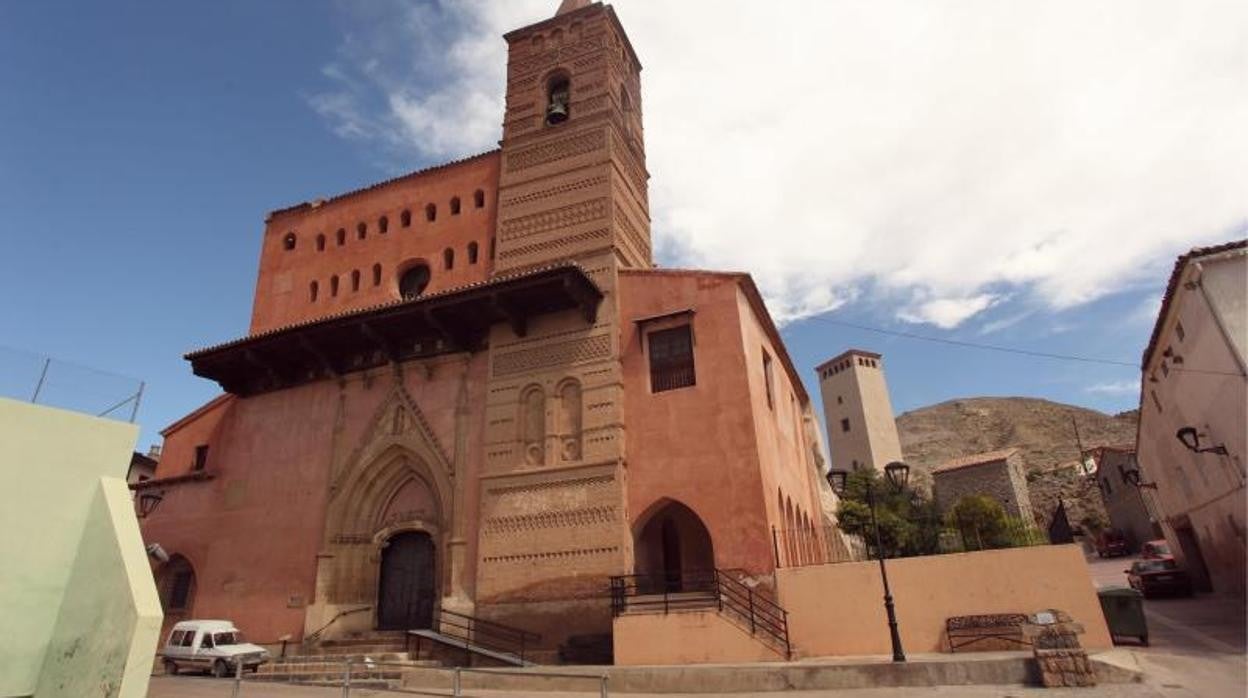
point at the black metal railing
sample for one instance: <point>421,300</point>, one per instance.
<point>486,634</point>
<point>668,591</point>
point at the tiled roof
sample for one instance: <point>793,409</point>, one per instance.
<point>976,459</point>
<point>378,185</point>
<point>1172,286</point>
<point>532,271</point>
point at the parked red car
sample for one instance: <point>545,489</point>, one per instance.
<point>1153,577</point>
<point>1111,543</point>
<point>1156,550</point>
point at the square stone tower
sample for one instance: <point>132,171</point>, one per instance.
<point>862,431</point>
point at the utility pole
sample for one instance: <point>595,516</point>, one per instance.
<point>1079,445</point>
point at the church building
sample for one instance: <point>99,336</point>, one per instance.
<point>469,390</point>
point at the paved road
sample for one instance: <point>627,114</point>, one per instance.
<point>1197,645</point>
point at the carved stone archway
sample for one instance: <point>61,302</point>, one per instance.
<point>397,479</point>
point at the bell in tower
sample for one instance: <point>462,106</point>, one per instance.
<point>557,100</point>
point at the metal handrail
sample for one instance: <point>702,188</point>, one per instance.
<point>763,614</point>
<point>316,634</point>
<point>487,634</point>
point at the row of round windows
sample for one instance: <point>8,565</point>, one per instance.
<point>291,240</point>
<point>407,285</point>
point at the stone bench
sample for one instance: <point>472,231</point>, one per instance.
<point>996,628</point>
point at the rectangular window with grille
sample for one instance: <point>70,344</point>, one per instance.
<point>671,359</point>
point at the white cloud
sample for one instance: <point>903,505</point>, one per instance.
<point>947,313</point>
<point>935,155</point>
<point>1127,387</point>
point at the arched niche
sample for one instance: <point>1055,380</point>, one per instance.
<point>672,547</point>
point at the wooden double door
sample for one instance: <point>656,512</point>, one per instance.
<point>407,590</point>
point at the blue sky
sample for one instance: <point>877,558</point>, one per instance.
<point>144,142</point>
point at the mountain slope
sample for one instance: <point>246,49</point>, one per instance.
<point>1044,430</point>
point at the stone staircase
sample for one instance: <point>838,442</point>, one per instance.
<point>378,660</point>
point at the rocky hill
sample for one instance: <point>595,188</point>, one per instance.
<point>1042,429</point>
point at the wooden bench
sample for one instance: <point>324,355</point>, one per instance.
<point>964,631</point>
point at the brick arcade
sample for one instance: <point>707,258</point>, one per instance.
<point>468,388</point>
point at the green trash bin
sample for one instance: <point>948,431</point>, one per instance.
<point>1124,613</point>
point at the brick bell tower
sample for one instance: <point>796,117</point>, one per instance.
<point>572,188</point>
<point>573,180</point>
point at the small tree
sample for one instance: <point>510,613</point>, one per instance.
<point>909,523</point>
<point>982,522</point>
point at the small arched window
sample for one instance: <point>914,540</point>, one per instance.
<point>491,249</point>
<point>405,218</point>
<point>472,253</point>
<point>320,243</point>
<point>538,43</point>
<point>376,274</point>
<point>448,258</point>
<point>383,224</point>
<point>288,242</point>
<point>361,231</point>
<point>342,237</point>
<point>333,285</point>
<point>455,206</point>
<point>431,212</point>
<point>558,96</point>
<point>478,198</point>
<point>355,279</point>
<point>313,289</point>
<point>556,37</point>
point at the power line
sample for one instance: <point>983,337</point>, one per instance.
<point>1008,350</point>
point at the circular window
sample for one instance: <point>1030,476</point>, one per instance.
<point>414,281</point>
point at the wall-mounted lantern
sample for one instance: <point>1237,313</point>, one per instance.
<point>148,500</point>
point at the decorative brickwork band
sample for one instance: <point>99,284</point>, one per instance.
<point>558,354</point>
<point>549,152</point>
<point>563,217</point>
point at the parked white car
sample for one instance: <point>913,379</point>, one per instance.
<point>210,645</point>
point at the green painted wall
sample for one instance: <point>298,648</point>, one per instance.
<point>61,473</point>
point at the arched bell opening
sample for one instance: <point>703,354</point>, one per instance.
<point>673,549</point>
<point>558,98</point>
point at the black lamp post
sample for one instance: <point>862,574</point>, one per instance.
<point>897,473</point>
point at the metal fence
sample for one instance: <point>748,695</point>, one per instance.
<point>41,379</point>
<point>824,545</point>
<point>816,545</point>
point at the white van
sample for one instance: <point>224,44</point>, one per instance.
<point>210,645</point>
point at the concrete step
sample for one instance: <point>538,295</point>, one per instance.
<point>339,658</point>
<point>331,675</point>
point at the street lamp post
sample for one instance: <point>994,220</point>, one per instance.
<point>896,473</point>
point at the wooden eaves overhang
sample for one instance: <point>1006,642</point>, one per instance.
<point>454,320</point>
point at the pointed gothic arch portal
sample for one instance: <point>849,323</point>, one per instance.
<point>671,545</point>
<point>407,589</point>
